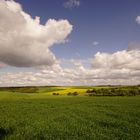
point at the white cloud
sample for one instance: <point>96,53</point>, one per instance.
<point>72,3</point>
<point>122,67</point>
<point>138,19</point>
<point>24,41</point>
<point>117,60</point>
<point>95,43</point>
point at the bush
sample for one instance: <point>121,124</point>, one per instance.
<point>73,94</point>
<point>69,93</point>
<point>91,91</point>
<point>133,92</point>
<point>88,91</point>
<point>114,91</point>
<point>55,94</point>
<point>24,89</point>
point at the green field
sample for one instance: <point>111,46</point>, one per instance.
<point>42,116</point>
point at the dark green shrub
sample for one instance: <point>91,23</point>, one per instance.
<point>55,93</point>
<point>88,91</point>
<point>69,93</point>
<point>133,92</point>
<point>75,93</point>
<point>72,94</point>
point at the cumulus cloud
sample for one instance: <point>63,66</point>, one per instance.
<point>72,3</point>
<point>119,68</point>
<point>117,60</point>
<point>24,41</point>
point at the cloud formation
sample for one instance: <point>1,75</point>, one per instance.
<point>95,43</point>
<point>138,19</point>
<point>24,41</point>
<point>118,60</point>
<point>72,3</point>
<point>119,68</point>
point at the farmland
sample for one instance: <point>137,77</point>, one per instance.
<point>35,113</point>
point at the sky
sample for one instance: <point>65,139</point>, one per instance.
<point>69,42</point>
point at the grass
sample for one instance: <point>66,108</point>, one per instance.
<point>42,116</point>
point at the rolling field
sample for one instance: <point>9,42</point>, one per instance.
<point>42,116</point>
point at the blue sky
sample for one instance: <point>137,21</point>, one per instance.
<point>110,22</point>
<point>69,42</point>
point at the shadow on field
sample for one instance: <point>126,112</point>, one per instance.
<point>3,133</point>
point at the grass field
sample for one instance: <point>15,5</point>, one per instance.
<point>42,116</point>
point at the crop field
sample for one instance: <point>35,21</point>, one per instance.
<point>36,114</point>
